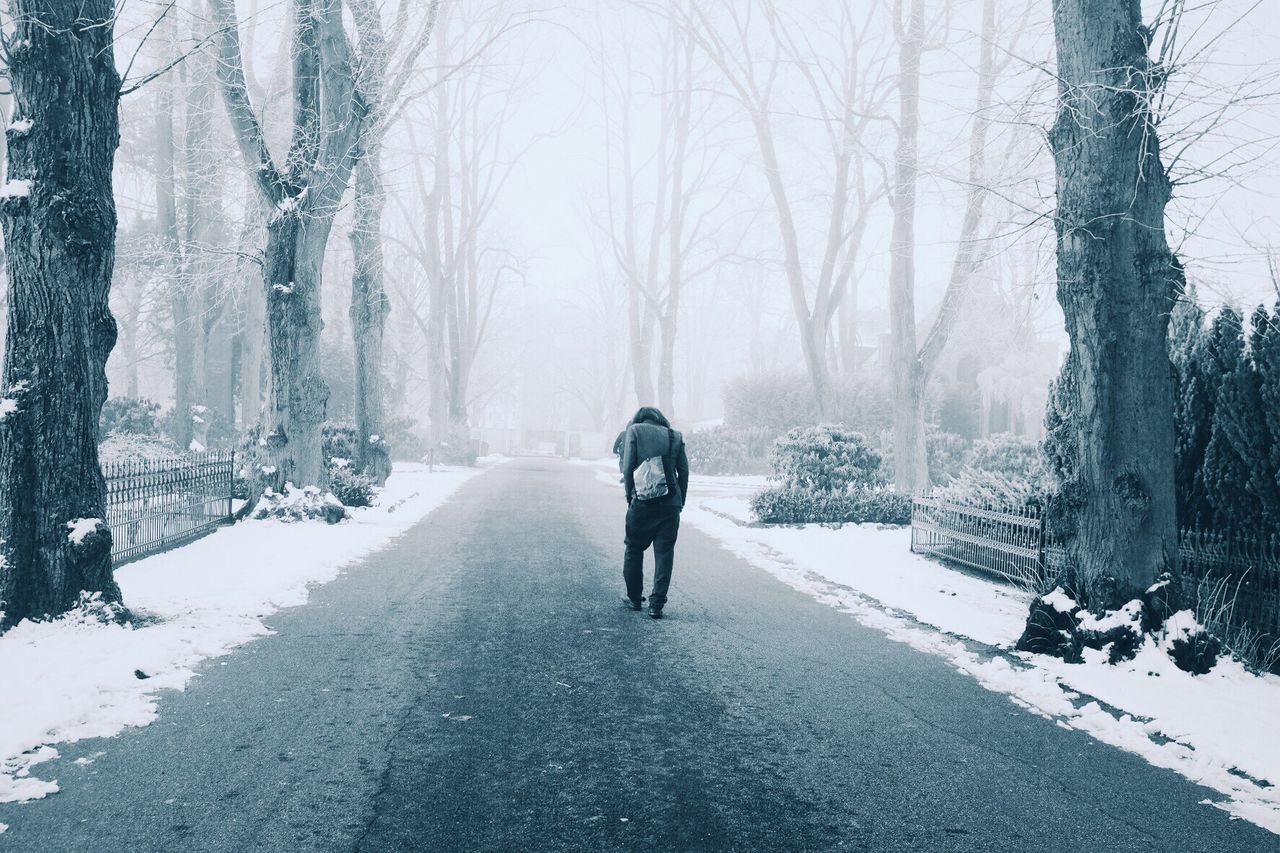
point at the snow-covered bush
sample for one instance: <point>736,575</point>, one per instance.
<point>724,451</point>
<point>828,475</point>
<point>303,504</point>
<point>1004,470</point>
<point>129,416</point>
<point>136,447</point>
<point>825,459</point>
<point>1008,454</point>
<point>948,455</point>
<point>807,506</point>
<point>405,440</point>
<point>991,488</point>
<point>1060,626</point>
<point>338,440</point>
<point>350,488</point>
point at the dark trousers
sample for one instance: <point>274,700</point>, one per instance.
<point>656,525</point>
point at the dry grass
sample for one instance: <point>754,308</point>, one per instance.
<point>1216,606</point>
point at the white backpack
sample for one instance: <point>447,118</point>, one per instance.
<point>651,475</point>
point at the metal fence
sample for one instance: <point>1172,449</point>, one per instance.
<point>1237,579</point>
<point>1004,541</point>
<point>153,505</point>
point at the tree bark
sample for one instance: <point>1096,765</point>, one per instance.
<point>1117,280</point>
<point>299,396</point>
<point>369,310</point>
<point>59,222</point>
<point>910,457</point>
<point>302,197</point>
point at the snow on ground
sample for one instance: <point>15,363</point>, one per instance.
<point>1218,730</point>
<point>86,678</point>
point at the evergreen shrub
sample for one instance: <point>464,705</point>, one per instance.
<point>350,488</point>
<point>129,416</point>
<point>728,451</point>
<point>828,475</point>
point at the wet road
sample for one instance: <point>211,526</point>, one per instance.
<point>475,687</point>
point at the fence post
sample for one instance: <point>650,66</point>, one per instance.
<point>1040,546</point>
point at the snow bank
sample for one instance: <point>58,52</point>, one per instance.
<point>1217,730</point>
<point>83,677</point>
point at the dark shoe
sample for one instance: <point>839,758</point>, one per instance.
<point>632,605</point>
<point>655,612</point>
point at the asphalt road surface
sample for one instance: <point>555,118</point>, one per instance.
<point>476,687</point>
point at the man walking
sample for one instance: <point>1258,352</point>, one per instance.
<point>655,474</point>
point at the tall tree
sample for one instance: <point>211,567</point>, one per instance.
<point>1234,445</point>
<point>1266,358</point>
<point>910,455</point>
<point>59,221</point>
<point>912,373</point>
<point>303,196</point>
<point>1193,408</point>
<point>464,263</point>
<point>847,94</point>
<point>387,64</point>
<point>1117,281</point>
<point>658,215</point>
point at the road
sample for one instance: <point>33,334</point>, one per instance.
<point>476,687</point>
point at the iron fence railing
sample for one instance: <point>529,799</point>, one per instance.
<point>1239,577</point>
<point>153,505</point>
<point>1236,575</point>
<point>1004,541</point>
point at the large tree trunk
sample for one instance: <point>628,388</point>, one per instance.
<point>302,199</point>
<point>910,458</point>
<point>299,396</point>
<point>1117,280</point>
<point>369,309</point>
<point>59,221</point>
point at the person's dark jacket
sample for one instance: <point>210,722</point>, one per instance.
<point>644,441</point>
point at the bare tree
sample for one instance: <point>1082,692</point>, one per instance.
<point>663,206</point>
<point>913,367</point>
<point>387,64</point>
<point>59,221</point>
<point>847,94</point>
<point>303,196</point>
<point>1117,280</point>
<point>910,456</point>
<point>465,265</point>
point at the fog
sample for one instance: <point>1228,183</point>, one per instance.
<point>534,157</point>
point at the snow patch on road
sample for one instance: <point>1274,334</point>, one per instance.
<point>1218,730</point>
<point>85,677</point>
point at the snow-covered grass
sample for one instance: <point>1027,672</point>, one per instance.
<point>1218,730</point>
<point>85,677</point>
